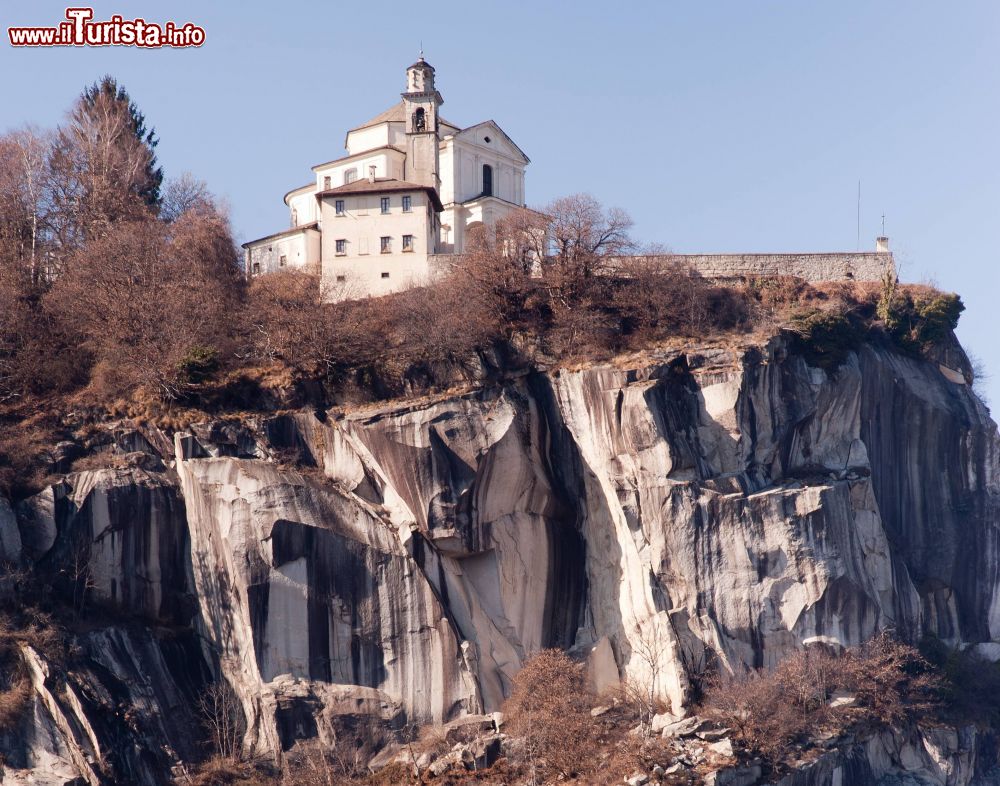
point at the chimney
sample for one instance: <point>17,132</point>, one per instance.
<point>371,173</point>
<point>882,245</point>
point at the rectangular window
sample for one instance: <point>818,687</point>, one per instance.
<point>341,279</point>
<point>406,203</point>
<point>326,182</point>
<point>341,246</point>
<point>385,275</point>
<point>407,242</point>
<point>385,205</point>
<point>338,206</point>
<point>256,268</point>
<point>386,245</point>
<point>283,260</point>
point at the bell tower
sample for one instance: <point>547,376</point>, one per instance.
<point>420,102</point>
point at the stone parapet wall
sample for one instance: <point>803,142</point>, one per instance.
<point>861,266</point>
<point>846,266</point>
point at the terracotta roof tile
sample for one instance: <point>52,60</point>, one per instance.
<point>382,185</point>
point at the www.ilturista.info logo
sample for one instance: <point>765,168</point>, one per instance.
<point>79,30</point>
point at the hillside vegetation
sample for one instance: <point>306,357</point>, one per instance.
<point>123,296</point>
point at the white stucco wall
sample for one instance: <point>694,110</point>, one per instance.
<point>363,264</point>
<point>368,138</point>
<point>392,134</point>
<point>300,250</point>
<point>463,156</point>
<point>303,208</point>
<point>387,163</point>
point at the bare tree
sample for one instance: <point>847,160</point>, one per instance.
<point>24,201</point>
<point>183,194</point>
<point>80,575</point>
<point>102,166</point>
<point>586,238</point>
<point>500,263</point>
<point>224,720</point>
<point>153,303</point>
<point>642,691</point>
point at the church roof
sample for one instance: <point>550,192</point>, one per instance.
<point>382,185</point>
<point>394,114</point>
<point>283,233</point>
<point>362,154</point>
<point>502,133</point>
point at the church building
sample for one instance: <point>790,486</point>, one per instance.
<point>392,213</point>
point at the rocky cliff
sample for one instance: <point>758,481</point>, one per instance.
<point>655,516</point>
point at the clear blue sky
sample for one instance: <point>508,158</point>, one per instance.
<point>720,125</point>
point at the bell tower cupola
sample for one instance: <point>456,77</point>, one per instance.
<point>421,101</point>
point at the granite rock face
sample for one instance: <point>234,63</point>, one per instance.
<point>650,515</point>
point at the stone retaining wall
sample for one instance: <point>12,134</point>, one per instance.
<point>861,266</point>
<point>847,266</point>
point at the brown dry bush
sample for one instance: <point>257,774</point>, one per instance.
<point>286,321</point>
<point>24,466</point>
<point>219,771</point>
<point>445,322</point>
<point>36,357</point>
<point>768,710</point>
<point>892,681</point>
<point>153,304</point>
<point>24,627</point>
<point>499,264</point>
<point>549,710</point>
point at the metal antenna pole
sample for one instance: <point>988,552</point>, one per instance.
<point>859,216</point>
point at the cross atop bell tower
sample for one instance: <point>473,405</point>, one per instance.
<point>421,101</point>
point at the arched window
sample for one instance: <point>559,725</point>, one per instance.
<point>350,175</point>
<point>487,180</point>
<point>419,123</point>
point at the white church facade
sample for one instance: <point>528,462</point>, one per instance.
<point>391,213</point>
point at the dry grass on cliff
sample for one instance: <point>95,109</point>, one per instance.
<point>20,628</point>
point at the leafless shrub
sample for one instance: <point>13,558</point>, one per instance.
<point>307,764</point>
<point>152,304</point>
<point>286,321</point>
<point>79,574</point>
<point>24,627</point>
<point>889,683</point>
<point>224,720</point>
<point>548,710</point>
<point>354,744</point>
<point>892,681</point>
<point>642,693</point>
<point>980,377</point>
<point>218,771</point>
